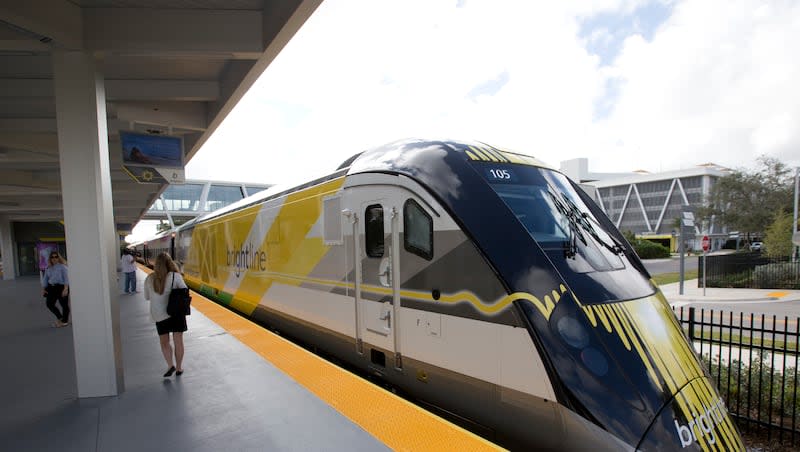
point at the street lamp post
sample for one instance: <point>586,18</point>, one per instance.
<point>796,249</point>
<point>687,221</point>
<point>681,238</point>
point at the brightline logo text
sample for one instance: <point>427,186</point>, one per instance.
<point>245,257</point>
<point>705,423</point>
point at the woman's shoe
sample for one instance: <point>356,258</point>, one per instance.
<point>178,373</point>
<point>170,372</point>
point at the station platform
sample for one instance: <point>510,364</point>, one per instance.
<point>244,388</point>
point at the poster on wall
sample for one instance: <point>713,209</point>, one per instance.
<point>153,159</point>
<point>43,250</point>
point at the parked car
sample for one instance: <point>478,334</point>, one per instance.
<point>756,246</point>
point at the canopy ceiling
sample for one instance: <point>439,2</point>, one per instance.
<point>170,67</point>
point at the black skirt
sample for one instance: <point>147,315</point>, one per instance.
<point>171,325</point>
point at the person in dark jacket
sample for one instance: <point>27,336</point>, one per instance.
<point>55,287</point>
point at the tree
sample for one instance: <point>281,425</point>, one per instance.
<point>778,239</point>
<point>747,201</point>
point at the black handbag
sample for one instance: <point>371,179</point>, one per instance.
<point>179,301</point>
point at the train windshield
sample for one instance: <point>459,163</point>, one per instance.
<point>547,205</point>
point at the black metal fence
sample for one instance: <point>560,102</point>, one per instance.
<point>753,360</point>
<point>750,270</point>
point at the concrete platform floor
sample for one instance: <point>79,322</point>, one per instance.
<point>228,399</point>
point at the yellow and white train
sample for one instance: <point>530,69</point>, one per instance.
<point>477,281</point>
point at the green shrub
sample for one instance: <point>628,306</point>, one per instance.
<point>756,390</point>
<point>734,280</point>
<point>645,248</point>
<point>778,275</point>
<point>649,250</point>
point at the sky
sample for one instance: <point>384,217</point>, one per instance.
<point>628,84</point>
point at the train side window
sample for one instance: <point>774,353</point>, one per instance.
<point>418,227</point>
<point>373,230</point>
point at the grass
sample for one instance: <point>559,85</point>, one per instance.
<point>727,339</point>
<point>668,278</point>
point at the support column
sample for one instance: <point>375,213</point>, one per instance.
<point>88,223</point>
<point>7,249</point>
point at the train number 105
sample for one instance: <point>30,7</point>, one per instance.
<point>500,174</point>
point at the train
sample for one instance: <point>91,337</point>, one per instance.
<point>479,282</point>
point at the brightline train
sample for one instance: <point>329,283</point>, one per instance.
<point>479,282</point>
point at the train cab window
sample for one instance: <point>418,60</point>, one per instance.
<point>373,230</point>
<point>553,213</point>
<point>418,227</point>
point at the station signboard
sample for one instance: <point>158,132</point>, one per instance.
<point>153,159</point>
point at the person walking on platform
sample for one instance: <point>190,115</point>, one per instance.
<point>157,287</point>
<point>129,269</point>
<point>55,287</point>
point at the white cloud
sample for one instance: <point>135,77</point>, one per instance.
<point>143,230</point>
<point>715,83</point>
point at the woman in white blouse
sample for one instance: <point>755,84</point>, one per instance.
<point>157,287</point>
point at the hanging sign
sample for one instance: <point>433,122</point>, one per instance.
<point>153,159</point>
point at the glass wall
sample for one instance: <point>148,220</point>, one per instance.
<point>220,196</point>
<point>253,190</point>
<point>183,197</point>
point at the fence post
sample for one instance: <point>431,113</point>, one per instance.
<point>691,324</point>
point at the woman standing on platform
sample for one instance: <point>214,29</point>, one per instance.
<point>157,287</point>
<point>55,286</point>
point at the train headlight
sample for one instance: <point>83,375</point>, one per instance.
<point>573,332</point>
<point>595,361</point>
<point>576,336</point>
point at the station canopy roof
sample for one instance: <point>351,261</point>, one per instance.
<point>169,66</point>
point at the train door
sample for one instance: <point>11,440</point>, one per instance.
<point>379,297</point>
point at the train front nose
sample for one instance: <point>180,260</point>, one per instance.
<point>695,419</point>
<point>692,415</point>
<point>628,367</point>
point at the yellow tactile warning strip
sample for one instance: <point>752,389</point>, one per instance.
<point>392,420</point>
<point>398,423</point>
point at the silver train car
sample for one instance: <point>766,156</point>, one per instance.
<point>478,282</point>
<point>146,251</point>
